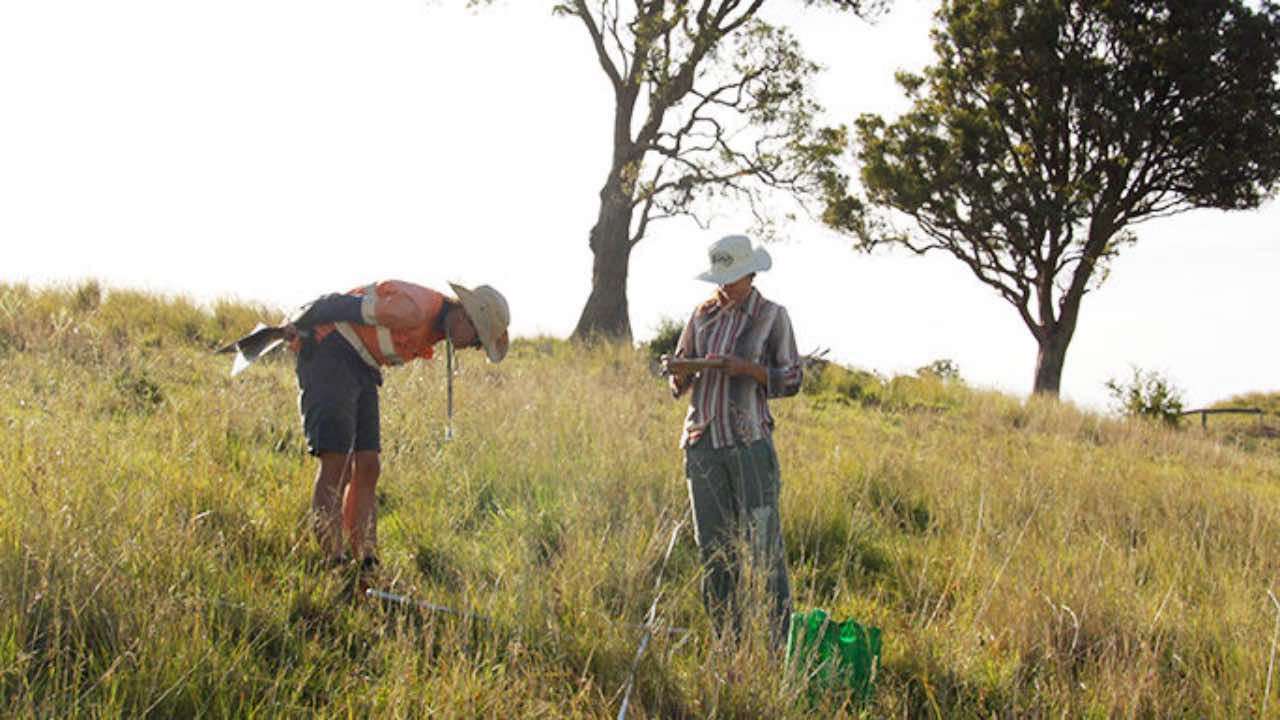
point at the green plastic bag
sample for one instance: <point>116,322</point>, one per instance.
<point>833,657</point>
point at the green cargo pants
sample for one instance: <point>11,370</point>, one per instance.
<point>734,494</point>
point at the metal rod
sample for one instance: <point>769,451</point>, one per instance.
<point>421,605</point>
<point>648,623</point>
<point>432,607</point>
<point>448,413</point>
<point>1271,666</point>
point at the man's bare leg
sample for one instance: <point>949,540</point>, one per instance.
<point>332,476</point>
<point>358,505</point>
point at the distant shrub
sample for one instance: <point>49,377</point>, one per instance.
<point>926,391</point>
<point>861,386</point>
<point>916,393</point>
<point>665,339</point>
<point>943,369</point>
<point>1149,395</point>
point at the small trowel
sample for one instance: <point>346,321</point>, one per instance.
<point>248,349</point>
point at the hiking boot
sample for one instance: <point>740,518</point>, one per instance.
<point>368,575</point>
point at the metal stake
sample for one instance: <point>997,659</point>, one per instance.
<point>648,624</point>
<point>448,423</point>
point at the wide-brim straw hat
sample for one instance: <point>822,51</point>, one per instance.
<point>489,314</point>
<point>733,258</point>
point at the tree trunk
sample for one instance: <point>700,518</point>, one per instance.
<point>606,314</point>
<point>1053,335</point>
<point>1050,359</point>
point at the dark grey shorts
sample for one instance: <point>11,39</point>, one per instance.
<point>338,398</point>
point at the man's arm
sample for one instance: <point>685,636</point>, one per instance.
<point>382,304</point>
<point>786,369</point>
<point>681,381</point>
<point>734,365</point>
<point>331,308</point>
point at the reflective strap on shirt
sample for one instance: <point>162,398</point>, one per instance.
<point>353,339</point>
<point>368,305</point>
<point>387,347</point>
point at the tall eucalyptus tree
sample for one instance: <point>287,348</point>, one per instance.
<point>710,103</point>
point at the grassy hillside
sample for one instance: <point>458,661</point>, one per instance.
<point>1023,558</point>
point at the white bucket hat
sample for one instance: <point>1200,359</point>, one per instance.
<point>489,314</point>
<point>733,258</point>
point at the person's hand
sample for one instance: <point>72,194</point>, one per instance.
<point>734,366</point>
<point>288,332</point>
<point>672,372</point>
<point>674,385</point>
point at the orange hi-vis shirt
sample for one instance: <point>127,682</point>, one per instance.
<point>400,323</point>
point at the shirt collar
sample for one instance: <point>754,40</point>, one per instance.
<point>747,306</point>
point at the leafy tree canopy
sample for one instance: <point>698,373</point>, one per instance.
<point>1047,128</point>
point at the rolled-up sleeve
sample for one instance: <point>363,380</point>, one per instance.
<point>786,370</point>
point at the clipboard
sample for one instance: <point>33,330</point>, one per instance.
<point>692,365</point>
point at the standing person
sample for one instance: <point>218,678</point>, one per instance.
<point>730,463</point>
<point>342,342</point>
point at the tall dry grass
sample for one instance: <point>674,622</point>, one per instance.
<point>1023,558</point>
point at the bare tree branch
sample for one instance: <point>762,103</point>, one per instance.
<point>597,39</point>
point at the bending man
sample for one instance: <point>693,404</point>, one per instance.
<point>342,342</point>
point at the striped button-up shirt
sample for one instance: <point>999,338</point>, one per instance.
<point>734,410</point>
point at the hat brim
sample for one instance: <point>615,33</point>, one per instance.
<point>495,344</point>
<point>759,261</point>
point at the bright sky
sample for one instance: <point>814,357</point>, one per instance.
<point>272,150</point>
